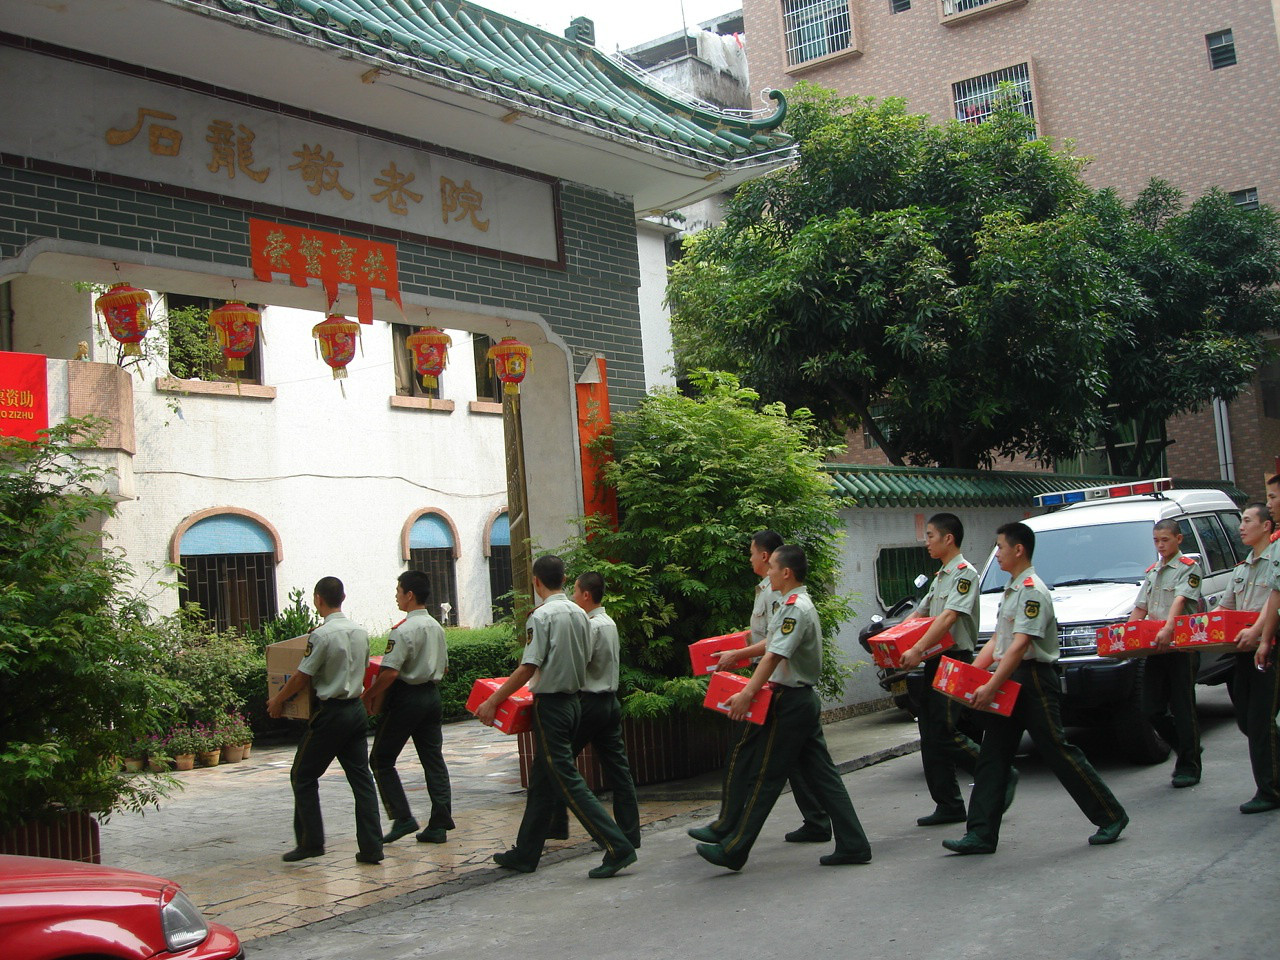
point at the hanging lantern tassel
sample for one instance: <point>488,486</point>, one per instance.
<point>235,326</point>
<point>430,349</point>
<point>336,338</point>
<point>511,361</point>
<point>125,309</point>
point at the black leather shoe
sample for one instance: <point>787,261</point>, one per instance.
<point>969,843</point>
<point>714,853</point>
<point>840,859</point>
<point>938,818</point>
<point>704,834</point>
<point>369,857</point>
<point>808,833</point>
<point>1259,805</point>
<point>302,853</point>
<point>509,860</point>
<point>1110,833</point>
<point>400,828</point>
<point>610,867</point>
<point>1181,781</point>
<point>433,835</point>
<point>558,833</point>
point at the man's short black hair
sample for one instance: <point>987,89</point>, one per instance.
<point>549,570</point>
<point>592,584</point>
<point>417,583</point>
<point>1261,509</point>
<point>1019,534</point>
<point>790,556</point>
<point>946,523</point>
<point>1168,525</point>
<point>766,540</point>
<point>1274,481</point>
<point>330,590</point>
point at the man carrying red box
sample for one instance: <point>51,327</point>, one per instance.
<point>1024,648</point>
<point>1171,588</point>
<point>791,736</point>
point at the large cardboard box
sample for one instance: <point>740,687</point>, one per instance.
<point>888,646</point>
<point>282,661</point>
<point>1124,640</point>
<point>705,654</point>
<point>515,714</point>
<point>723,685</point>
<point>1212,632</point>
<point>958,680</point>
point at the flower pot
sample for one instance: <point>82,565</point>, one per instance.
<point>232,752</point>
<point>184,761</point>
<point>134,764</point>
<point>158,764</point>
<point>247,748</point>
<point>208,758</point>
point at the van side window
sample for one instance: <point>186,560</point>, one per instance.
<point>1231,526</point>
<point>1218,555</point>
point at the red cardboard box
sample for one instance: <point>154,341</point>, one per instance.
<point>888,646</point>
<point>515,714</point>
<point>723,685</point>
<point>957,680</point>
<point>371,671</point>
<point>1212,632</point>
<point>1123,640</point>
<point>705,654</point>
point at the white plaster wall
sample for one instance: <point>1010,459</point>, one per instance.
<point>655,318</point>
<point>50,317</point>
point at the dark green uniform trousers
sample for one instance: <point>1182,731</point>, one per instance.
<point>943,747</point>
<point>412,710</point>
<point>338,729</point>
<point>790,740</point>
<point>1257,697</point>
<point>601,726</point>
<point>1169,701</point>
<point>1037,712</point>
<point>555,718</point>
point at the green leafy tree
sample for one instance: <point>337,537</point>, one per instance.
<point>79,677</point>
<point>696,477</point>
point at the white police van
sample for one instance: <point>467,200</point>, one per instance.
<point>1093,551</point>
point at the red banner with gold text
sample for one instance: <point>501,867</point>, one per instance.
<point>24,395</point>
<point>594,419</point>
<point>303,254</point>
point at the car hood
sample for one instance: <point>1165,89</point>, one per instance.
<point>19,874</point>
<point>1083,603</point>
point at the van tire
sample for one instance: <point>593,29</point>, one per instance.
<point>1134,733</point>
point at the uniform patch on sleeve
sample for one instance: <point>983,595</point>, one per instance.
<point>962,586</point>
<point>788,624</point>
<point>1032,609</point>
<point>776,605</point>
<point>391,644</point>
<point>307,652</point>
<point>528,634</point>
<point>1193,581</point>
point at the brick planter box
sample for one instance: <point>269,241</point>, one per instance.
<point>72,836</point>
<point>666,748</point>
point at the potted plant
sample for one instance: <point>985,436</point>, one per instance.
<point>182,746</point>
<point>231,730</point>
<point>158,759</point>
<point>242,733</point>
<point>135,756</point>
<point>209,744</point>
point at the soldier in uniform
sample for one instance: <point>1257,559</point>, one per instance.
<point>555,667</point>
<point>952,599</point>
<point>816,825</point>
<point>408,685</point>
<point>1256,686</point>
<point>1024,648</point>
<point>1171,589</point>
<point>601,723</point>
<point>791,736</point>
<point>333,668</point>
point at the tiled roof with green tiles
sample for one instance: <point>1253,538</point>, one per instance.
<point>497,55</point>
<point>936,487</point>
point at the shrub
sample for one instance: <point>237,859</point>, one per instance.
<point>473,654</point>
<point>182,740</point>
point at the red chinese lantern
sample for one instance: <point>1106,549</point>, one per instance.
<point>125,310</point>
<point>235,325</point>
<point>511,361</point>
<point>337,339</point>
<point>430,347</point>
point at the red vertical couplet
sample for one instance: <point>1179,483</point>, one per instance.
<point>24,395</point>
<point>598,498</point>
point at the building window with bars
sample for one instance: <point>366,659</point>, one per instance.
<point>974,99</point>
<point>227,567</point>
<point>1245,199</point>
<point>488,386</point>
<point>899,6</point>
<point>500,577</point>
<point>815,28</point>
<point>193,353</point>
<point>1222,49</point>
<point>408,380</point>
<point>896,572</point>
<point>432,551</point>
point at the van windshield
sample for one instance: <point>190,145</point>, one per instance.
<point>1104,553</point>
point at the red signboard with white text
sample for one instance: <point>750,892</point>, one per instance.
<point>24,395</point>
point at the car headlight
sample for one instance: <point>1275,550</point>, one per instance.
<point>182,923</point>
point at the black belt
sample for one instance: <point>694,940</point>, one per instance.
<point>554,695</point>
<point>337,700</point>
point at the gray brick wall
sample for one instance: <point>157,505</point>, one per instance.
<point>592,304</point>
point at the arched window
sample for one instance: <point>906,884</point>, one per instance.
<point>228,567</point>
<point>500,566</point>
<point>432,550</point>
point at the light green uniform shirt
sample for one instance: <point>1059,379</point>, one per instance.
<point>416,648</point>
<point>1252,581</point>
<point>1027,607</point>
<point>602,656</point>
<point>557,638</point>
<point>795,632</point>
<point>336,658</point>
<point>955,587</point>
<point>767,602</point>
<point>1165,582</point>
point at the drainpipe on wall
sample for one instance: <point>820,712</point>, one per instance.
<point>1222,431</point>
<point>6,316</point>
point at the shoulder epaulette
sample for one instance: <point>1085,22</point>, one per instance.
<point>1274,537</point>
<point>961,566</point>
<point>400,624</point>
<point>1188,561</point>
<point>792,599</point>
<point>1029,582</point>
<point>1150,568</point>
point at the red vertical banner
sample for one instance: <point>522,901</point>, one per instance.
<point>24,395</point>
<point>594,419</point>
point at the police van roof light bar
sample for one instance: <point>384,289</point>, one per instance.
<point>1140,488</point>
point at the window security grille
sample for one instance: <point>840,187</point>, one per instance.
<point>975,98</point>
<point>1246,199</point>
<point>233,589</point>
<point>815,28</point>
<point>899,6</point>
<point>500,580</point>
<point>1222,49</point>
<point>438,564</point>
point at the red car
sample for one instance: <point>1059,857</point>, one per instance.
<point>55,909</point>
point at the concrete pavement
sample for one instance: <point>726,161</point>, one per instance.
<point>221,837</point>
